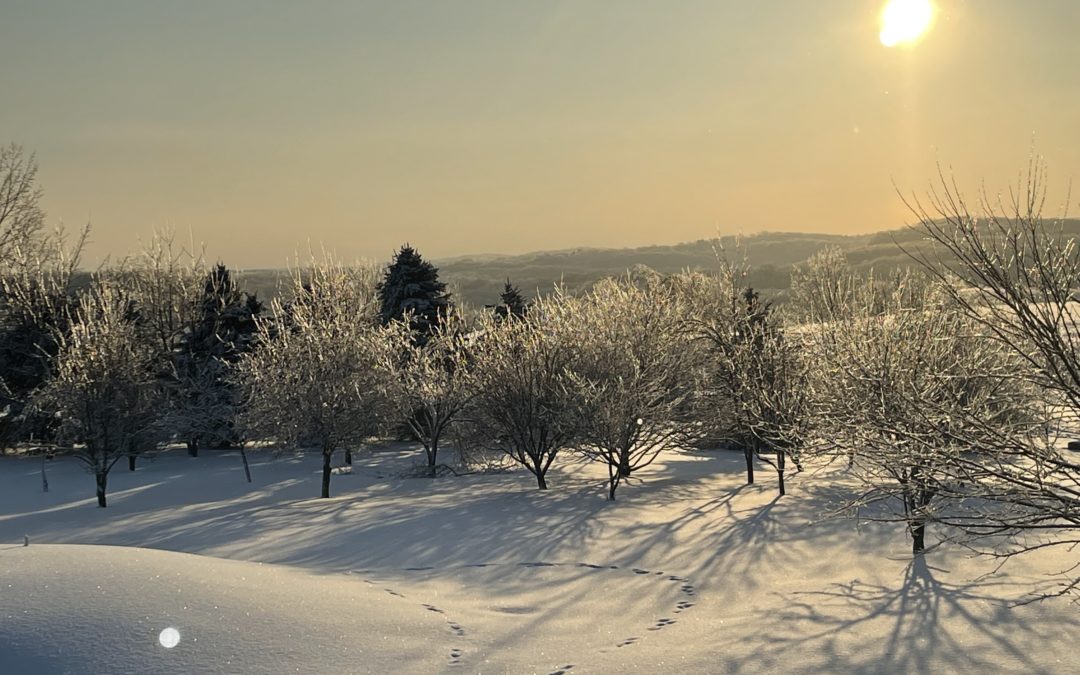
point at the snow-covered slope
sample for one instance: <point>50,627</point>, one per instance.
<point>102,609</point>
<point>690,571</point>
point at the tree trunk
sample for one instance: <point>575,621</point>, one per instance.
<point>326,455</point>
<point>624,464</point>
<point>918,536</point>
<point>102,479</point>
<point>247,469</point>
<point>748,452</point>
<point>131,462</point>
<point>433,452</point>
<point>44,477</point>
<point>348,457</point>
<point>612,479</point>
<point>780,461</point>
<point>193,447</point>
<point>541,482</point>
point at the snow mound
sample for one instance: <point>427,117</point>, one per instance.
<point>690,571</point>
<point>97,609</point>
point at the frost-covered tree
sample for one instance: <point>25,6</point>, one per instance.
<point>103,392</point>
<point>410,286</point>
<point>824,287</point>
<point>632,372</point>
<point>429,384</point>
<point>166,282</point>
<point>778,408</point>
<point>736,324</point>
<point>319,380</point>
<point>908,396</point>
<point>1014,273</point>
<point>36,304</point>
<point>524,404</point>
<point>36,271</point>
<point>21,216</point>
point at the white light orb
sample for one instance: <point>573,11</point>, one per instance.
<point>169,638</point>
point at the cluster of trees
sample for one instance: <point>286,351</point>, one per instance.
<point>942,389</point>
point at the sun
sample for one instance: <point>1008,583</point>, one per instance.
<point>905,21</point>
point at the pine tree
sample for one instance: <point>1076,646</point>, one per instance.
<point>411,285</point>
<point>225,330</point>
<point>511,303</point>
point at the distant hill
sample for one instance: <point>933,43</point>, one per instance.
<point>478,279</point>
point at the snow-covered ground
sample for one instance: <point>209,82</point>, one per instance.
<point>689,571</point>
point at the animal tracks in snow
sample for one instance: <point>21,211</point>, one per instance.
<point>458,654</point>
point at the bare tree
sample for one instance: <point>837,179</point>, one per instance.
<point>167,282</point>
<point>778,409</point>
<point>523,404</point>
<point>734,324</point>
<point>430,383</point>
<point>21,217</point>
<point>824,288</point>
<point>317,377</point>
<point>103,391</point>
<point>36,303</point>
<point>755,386</point>
<point>632,372</point>
<point>907,397</point>
<point>1015,274</point>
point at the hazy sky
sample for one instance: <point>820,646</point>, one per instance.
<point>503,126</point>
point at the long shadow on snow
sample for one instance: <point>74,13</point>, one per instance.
<point>922,625</point>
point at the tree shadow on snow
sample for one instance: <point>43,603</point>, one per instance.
<point>925,624</point>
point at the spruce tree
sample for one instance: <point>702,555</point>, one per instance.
<point>511,303</point>
<point>225,329</point>
<point>410,284</point>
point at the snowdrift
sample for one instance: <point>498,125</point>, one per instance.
<point>690,571</point>
<point>102,609</point>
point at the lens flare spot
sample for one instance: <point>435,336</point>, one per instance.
<point>169,638</point>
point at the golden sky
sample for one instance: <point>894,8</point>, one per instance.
<point>471,126</point>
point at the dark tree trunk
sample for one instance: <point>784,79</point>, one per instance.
<point>247,469</point>
<point>131,462</point>
<point>193,447</point>
<point>433,452</point>
<point>748,452</point>
<point>918,536</point>
<point>102,479</point>
<point>326,455</point>
<point>624,464</point>
<point>780,461</point>
<point>44,476</point>
<point>348,457</point>
<point>541,482</point>
<point>612,477</point>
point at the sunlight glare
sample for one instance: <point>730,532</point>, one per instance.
<point>905,21</point>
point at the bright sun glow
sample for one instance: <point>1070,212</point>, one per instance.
<point>905,21</point>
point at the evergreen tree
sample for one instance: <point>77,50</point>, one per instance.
<point>28,346</point>
<point>511,303</point>
<point>224,330</point>
<point>411,285</point>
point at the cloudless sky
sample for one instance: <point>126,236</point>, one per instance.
<point>506,126</point>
